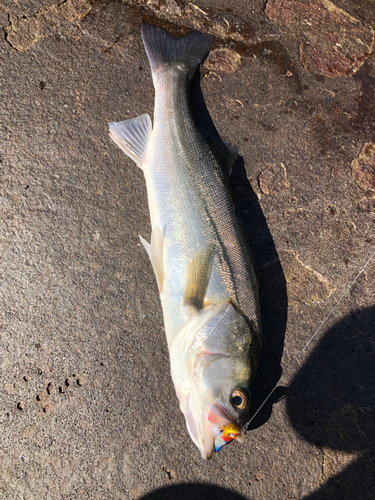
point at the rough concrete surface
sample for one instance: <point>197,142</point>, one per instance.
<point>87,405</point>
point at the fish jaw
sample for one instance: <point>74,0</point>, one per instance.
<point>215,429</point>
<point>202,433</point>
<point>207,430</point>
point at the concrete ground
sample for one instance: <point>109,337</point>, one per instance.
<point>87,405</point>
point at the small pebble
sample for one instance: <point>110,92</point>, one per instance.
<point>61,389</point>
<point>46,408</point>
<point>51,388</point>
<point>68,381</point>
<point>39,397</point>
<point>80,381</point>
<point>171,474</point>
<point>20,406</point>
<point>26,378</point>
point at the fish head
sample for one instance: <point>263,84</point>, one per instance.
<point>212,373</point>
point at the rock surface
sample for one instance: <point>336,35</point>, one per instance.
<point>335,43</point>
<point>88,409</point>
<point>273,179</point>
<point>363,168</point>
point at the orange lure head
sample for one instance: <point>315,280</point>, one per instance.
<point>227,434</point>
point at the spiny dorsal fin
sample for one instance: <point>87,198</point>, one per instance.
<point>224,153</point>
<point>155,253</point>
<point>132,136</point>
<point>197,274</point>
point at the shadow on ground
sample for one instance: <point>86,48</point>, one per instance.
<point>273,294</point>
<point>194,491</point>
<point>331,404</point>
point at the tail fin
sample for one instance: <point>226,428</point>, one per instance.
<point>164,50</point>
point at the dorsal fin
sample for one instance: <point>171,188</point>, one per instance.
<point>224,153</point>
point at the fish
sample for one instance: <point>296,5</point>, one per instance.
<point>198,250</point>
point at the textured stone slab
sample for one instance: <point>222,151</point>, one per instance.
<point>335,43</point>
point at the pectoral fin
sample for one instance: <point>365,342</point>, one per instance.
<point>197,274</point>
<point>155,253</point>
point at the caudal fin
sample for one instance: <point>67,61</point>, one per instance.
<point>163,50</point>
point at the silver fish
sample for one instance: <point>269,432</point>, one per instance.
<point>198,250</point>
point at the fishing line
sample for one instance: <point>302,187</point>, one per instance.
<point>346,290</point>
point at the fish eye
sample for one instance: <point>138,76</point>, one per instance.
<point>239,399</point>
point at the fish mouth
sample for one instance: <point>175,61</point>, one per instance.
<point>214,421</point>
<point>227,432</point>
<point>224,413</point>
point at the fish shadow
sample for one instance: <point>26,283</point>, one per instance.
<point>331,404</point>
<point>193,491</point>
<point>272,283</point>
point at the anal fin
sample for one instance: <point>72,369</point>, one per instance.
<point>155,253</point>
<point>197,275</point>
<point>132,136</point>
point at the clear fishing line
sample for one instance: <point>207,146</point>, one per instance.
<point>346,290</point>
